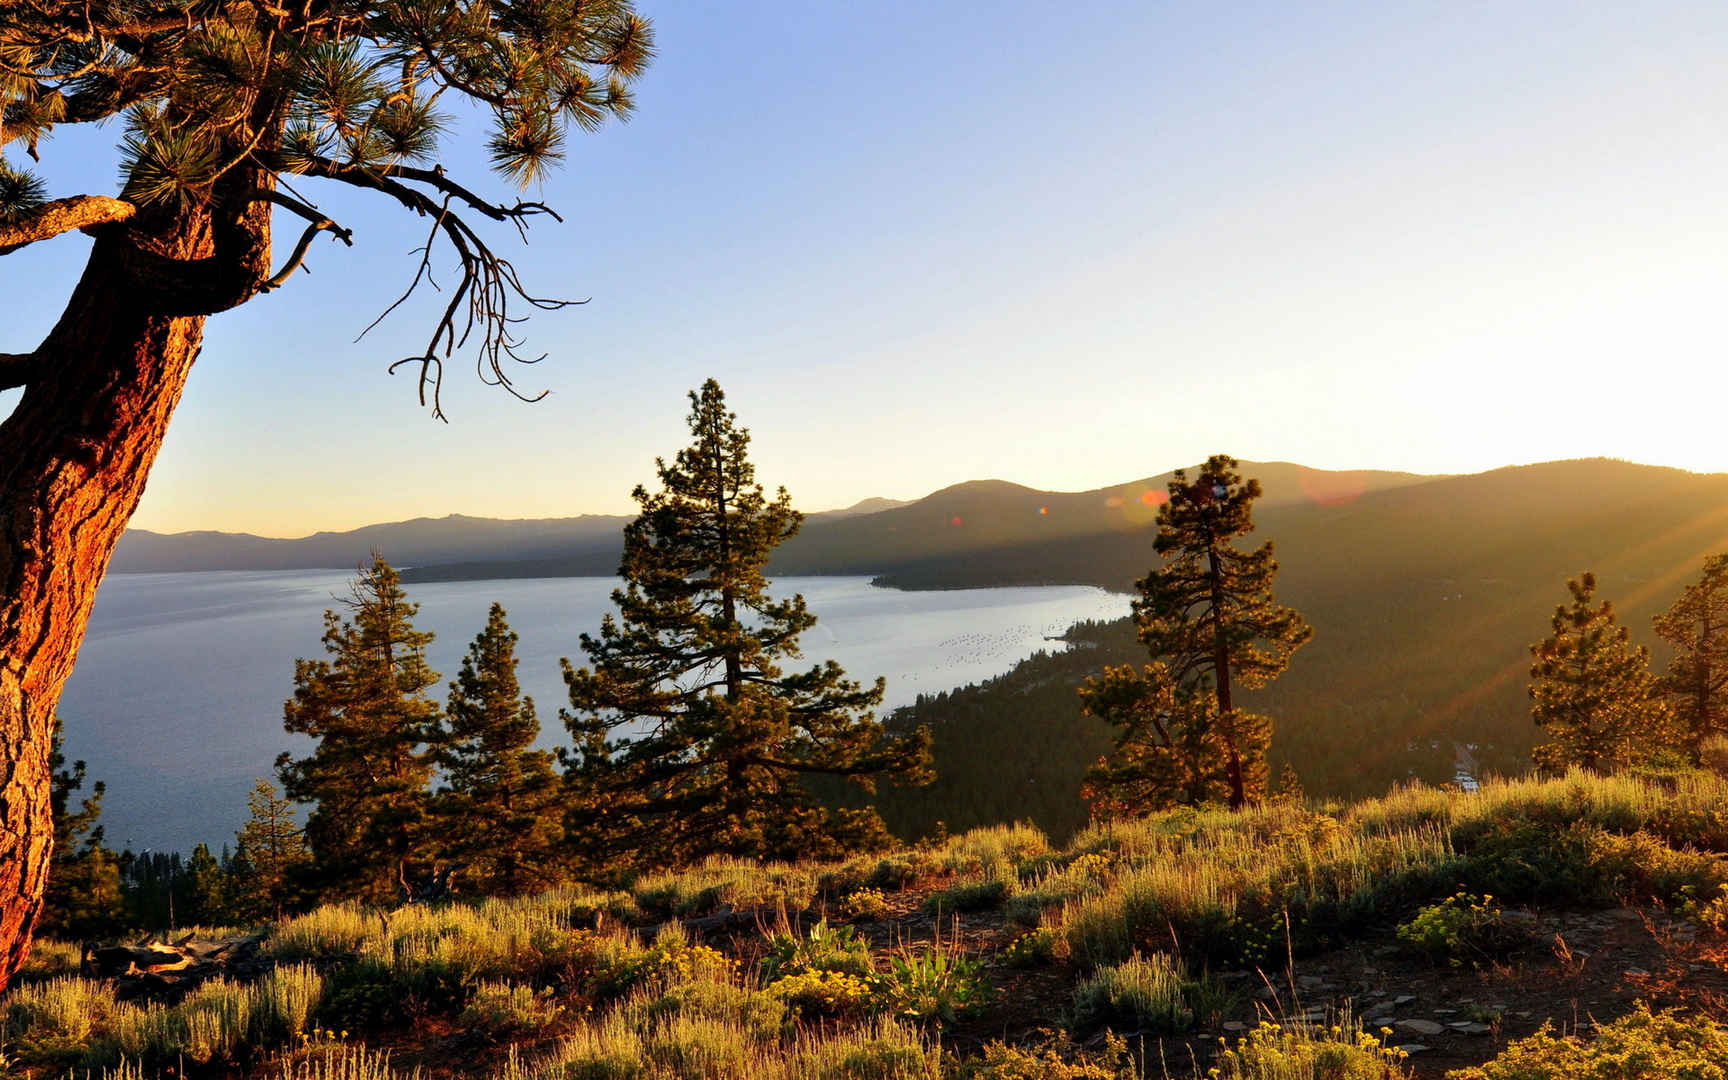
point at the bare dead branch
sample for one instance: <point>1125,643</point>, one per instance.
<point>480,302</point>
<point>319,223</point>
<point>62,216</point>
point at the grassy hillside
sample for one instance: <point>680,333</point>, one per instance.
<point>1453,925</point>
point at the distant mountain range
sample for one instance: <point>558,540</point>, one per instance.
<point>421,542</point>
<point>876,536</point>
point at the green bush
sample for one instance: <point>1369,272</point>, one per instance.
<point>504,1010</point>
<point>824,948</point>
<point>864,905</point>
<point>935,985</point>
<point>1034,949</point>
<point>1141,994</point>
<point>1059,1060</point>
<point>1465,929</point>
<point>1641,1045</point>
<point>823,994</point>
<point>1305,1052</point>
<point>968,896</point>
<point>361,994</point>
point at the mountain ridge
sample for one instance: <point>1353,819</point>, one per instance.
<point>982,514</point>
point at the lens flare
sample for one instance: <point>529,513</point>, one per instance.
<point>1331,489</point>
<point>1153,497</point>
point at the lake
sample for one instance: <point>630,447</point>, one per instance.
<point>177,698</point>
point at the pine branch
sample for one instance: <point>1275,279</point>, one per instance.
<point>62,216</point>
<point>319,223</point>
<point>18,369</point>
<point>481,300</point>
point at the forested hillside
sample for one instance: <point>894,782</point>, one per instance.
<point>1424,599</point>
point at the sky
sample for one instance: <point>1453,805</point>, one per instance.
<point>1067,245</point>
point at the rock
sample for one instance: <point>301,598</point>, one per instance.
<point>1412,1048</point>
<point>1382,1021</point>
<point>1234,1025</point>
<point>155,971</point>
<point>119,960</point>
<point>1636,972</point>
<point>1310,982</point>
<point>1473,1028</point>
<point>1420,1027</point>
<point>1626,914</point>
<point>1403,999</point>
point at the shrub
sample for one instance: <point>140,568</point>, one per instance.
<point>968,896</point>
<point>288,997</point>
<point>50,959</point>
<point>1142,994</point>
<point>1464,928</point>
<point>1641,1045</point>
<point>56,1022</point>
<point>1056,1061</point>
<point>896,871</point>
<point>825,948</point>
<point>822,993</point>
<point>1302,1052</point>
<point>716,998</point>
<point>501,1010</point>
<point>935,985</point>
<point>864,905</point>
<point>361,994</point>
<point>1034,949</point>
<point>992,847</point>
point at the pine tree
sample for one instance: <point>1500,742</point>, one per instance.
<point>690,738</point>
<point>1169,747</point>
<point>1696,681</point>
<point>229,118</point>
<point>271,854</point>
<point>368,777</point>
<point>205,895</point>
<point>1592,691</point>
<point>84,897</point>
<point>501,815</point>
<point>1210,623</point>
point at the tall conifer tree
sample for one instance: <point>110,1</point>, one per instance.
<point>1208,618</point>
<point>1696,681</point>
<point>690,737</point>
<point>273,852</point>
<point>1591,689</point>
<point>84,897</point>
<point>368,776</point>
<point>501,815</point>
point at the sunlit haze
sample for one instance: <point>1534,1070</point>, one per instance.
<point>1061,244</point>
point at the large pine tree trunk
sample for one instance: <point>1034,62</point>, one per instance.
<point>74,456</point>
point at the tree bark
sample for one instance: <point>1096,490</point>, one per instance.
<point>74,457</point>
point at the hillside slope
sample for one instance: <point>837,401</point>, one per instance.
<point>1424,599</point>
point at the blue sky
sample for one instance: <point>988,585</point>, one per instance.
<point>1065,245</point>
